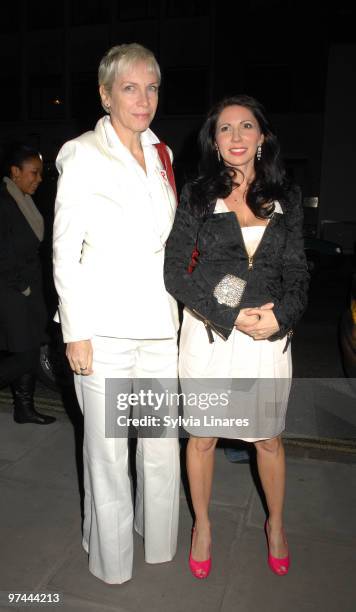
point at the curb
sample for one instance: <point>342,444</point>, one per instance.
<point>43,402</point>
<point>327,444</point>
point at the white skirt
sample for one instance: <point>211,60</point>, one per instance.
<point>256,375</point>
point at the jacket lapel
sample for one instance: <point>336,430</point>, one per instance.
<point>153,200</point>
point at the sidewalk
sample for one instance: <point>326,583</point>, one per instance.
<point>41,540</point>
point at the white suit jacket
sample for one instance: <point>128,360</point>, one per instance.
<point>111,225</point>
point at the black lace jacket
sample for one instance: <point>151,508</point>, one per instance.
<point>279,271</point>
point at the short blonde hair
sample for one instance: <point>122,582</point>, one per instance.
<point>122,57</point>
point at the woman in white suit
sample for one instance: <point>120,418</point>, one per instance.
<point>114,211</point>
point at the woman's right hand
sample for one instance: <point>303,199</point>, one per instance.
<point>80,357</point>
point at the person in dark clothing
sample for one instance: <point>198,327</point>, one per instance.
<point>23,316</point>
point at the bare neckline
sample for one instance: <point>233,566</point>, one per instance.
<point>221,202</point>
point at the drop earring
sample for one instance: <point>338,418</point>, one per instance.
<point>259,152</point>
<point>218,154</point>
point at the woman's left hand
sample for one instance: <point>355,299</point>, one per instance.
<point>267,324</point>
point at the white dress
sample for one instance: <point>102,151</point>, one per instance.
<point>255,373</point>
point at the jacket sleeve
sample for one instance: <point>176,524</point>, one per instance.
<point>193,289</point>
<point>295,275</point>
<point>10,275</point>
<point>71,213</point>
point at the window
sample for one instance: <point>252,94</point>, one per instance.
<point>85,96</point>
<point>45,97</point>
<point>89,12</point>
<point>187,8</point>
<point>10,21</point>
<point>10,99</point>
<point>43,15</point>
<point>139,9</point>
<point>44,53</point>
<point>271,85</point>
<point>185,91</point>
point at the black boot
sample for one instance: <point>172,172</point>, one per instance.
<point>24,411</point>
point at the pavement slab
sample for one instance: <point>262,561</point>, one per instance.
<point>37,527</point>
<point>320,579</point>
<point>17,440</point>
<point>322,408</point>
<point>166,587</point>
<point>51,461</point>
<point>320,500</point>
<point>236,486</point>
<point>40,535</point>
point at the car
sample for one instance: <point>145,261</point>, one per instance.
<point>322,254</point>
<point>347,335</point>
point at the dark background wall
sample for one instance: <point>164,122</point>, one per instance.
<point>283,52</point>
<point>337,190</point>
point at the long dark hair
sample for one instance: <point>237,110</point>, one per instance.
<point>216,180</point>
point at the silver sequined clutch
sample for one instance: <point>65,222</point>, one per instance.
<point>229,290</point>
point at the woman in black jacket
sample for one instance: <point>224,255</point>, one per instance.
<point>235,259</point>
<point>22,310</point>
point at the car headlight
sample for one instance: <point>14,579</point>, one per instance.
<point>353,309</point>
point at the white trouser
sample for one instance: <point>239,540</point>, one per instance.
<point>108,512</point>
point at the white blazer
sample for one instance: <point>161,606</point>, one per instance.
<point>111,224</point>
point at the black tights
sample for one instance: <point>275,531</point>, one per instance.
<point>14,365</point>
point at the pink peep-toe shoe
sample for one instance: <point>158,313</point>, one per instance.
<point>199,569</point>
<point>278,565</point>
